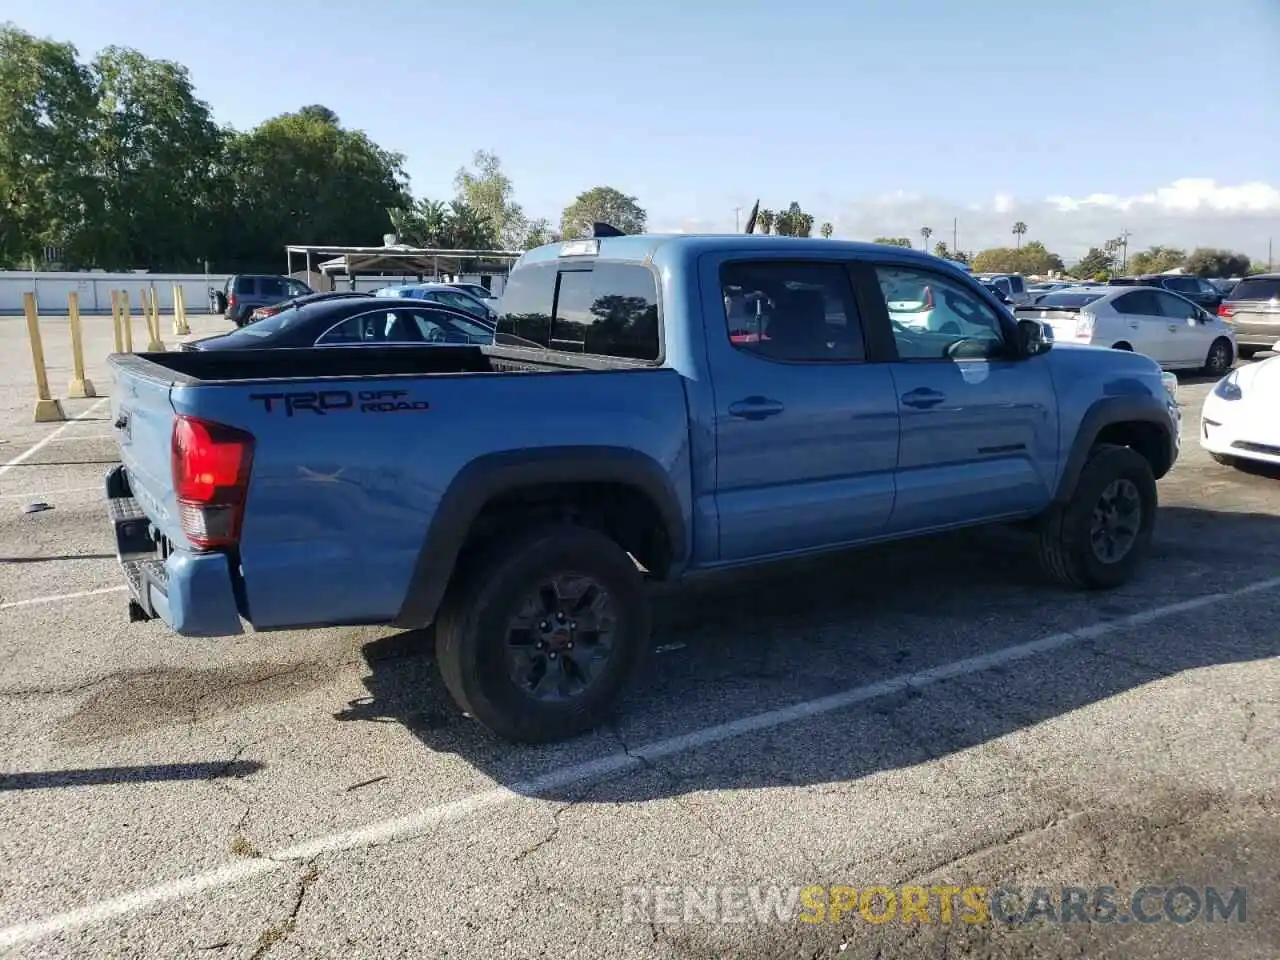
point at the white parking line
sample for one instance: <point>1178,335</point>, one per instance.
<point>33,601</point>
<point>39,445</point>
<point>421,820</point>
<point>35,495</point>
<point>88,436</point>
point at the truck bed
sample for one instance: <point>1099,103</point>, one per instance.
<point>209,367</point>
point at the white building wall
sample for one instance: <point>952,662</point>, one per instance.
<point>94,289</point>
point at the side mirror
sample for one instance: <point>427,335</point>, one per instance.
<point>1031,339</point>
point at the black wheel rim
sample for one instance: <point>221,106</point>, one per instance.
<point>1117,517</point>
<point>1219,358</point>
<point>560,638</point>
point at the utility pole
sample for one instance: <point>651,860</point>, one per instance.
<point>1124,246</point>
<point>1268,254</point>
<point>955,234</point>
<point>737,224</point>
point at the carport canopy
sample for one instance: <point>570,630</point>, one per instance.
<point>399,258</point>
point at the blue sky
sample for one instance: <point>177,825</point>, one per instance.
<point>870,114</point>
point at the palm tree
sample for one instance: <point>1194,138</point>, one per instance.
<point>926,233</point>
<point>1019,229</point>
<point>764,221</point>
<point>826,230</point>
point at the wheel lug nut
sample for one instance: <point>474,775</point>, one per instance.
<point>553,655</point>
<point>543,625</point>
<point>573,624</point>
<point>570,644</point>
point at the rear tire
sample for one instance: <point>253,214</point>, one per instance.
<point>1068,542</point>
<point>476,640</point>
<point>1217,363</point>
<point>1247,353</point>
<point>1122,346</point>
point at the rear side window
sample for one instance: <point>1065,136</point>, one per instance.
<point>246,286</point>
<point>1018,284</point>
<point>791,311</point>
<point>1068,300</point>
<point>1257,288</point>
<point>605,309</point>
<point>1182,285</point>
<point>271,287</point>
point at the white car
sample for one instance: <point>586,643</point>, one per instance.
<point>1238,420</point>
<point>1171,330</point>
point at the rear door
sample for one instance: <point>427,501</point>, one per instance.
<point>806,427</point>
<point>1143,324</point>
<point>979,430</point>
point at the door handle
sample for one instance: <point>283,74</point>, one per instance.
<point>923,398</point>
<point>1173,327</point>
<point>755,408</point>
<point>1133,324</point>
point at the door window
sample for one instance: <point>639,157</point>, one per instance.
<point>435,326</point>
<point>1175,307</point>
<point>460,301</point>
<point>1138,303</point>
<point>934,317</point>
<point>245,286</point>
<point>792,311</point>
<point>389,326</point>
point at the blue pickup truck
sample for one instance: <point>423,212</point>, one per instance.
<point>687,404</point>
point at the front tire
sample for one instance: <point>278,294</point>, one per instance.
<point>1099,538</point>
<point>542,635</point>
<point>1217,363</point>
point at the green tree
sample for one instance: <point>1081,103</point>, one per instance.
<point>1157,260</point>
<point>303,178</point>
<point>940,249</point>
<point>1019,231</point>
<point>793,222</point>
<point>1092,263</point>
<point>487,189</point>
<point>606,205</point>
<point>1210,262</point>
<point>1032,258</point>
<point>46,104</point>
<point>894,241</point>
<point>155,154</point>
<point>765,221</point>
<point>826,230</point>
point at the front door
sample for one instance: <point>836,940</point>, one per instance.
<point>806,429</point>
<point>979,424</point>
<point>1188,338</point>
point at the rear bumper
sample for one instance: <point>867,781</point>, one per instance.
<point>191,592</point>
<point>1256,334</point>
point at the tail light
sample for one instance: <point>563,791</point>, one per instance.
<point>211,464</point>
<point>231,300</point>
<point>1225,312</point>
<point>1084,326</point>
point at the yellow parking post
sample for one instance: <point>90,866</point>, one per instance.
<point>47,408</point>
<point>117,335</point>
<point>126,321</point>
<point>180,327</point>
<point>152,311</point>
<point>80,386</point>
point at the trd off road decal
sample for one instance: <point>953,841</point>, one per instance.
<point>324,402</point>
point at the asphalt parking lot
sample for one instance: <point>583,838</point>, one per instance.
<point>926,714</point>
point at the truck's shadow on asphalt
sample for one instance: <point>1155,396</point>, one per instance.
<point>776,637</point>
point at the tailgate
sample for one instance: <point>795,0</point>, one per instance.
<point>142,420</point>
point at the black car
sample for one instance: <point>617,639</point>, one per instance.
<point>355,322</point>
<point>1200,292</point>
<point>302,301</point>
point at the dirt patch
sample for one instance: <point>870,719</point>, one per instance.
<point>133,702</point>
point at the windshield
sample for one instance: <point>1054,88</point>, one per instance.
<point>1257,288</point>
<point>258,329</point>
<point>1067,299</point>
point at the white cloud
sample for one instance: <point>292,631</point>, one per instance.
<point>1187,213</point>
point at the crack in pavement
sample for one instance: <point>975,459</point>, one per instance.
<point>278,932</point>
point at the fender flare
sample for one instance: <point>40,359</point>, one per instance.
<point>497,473</point>
<point>1131,408</point>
